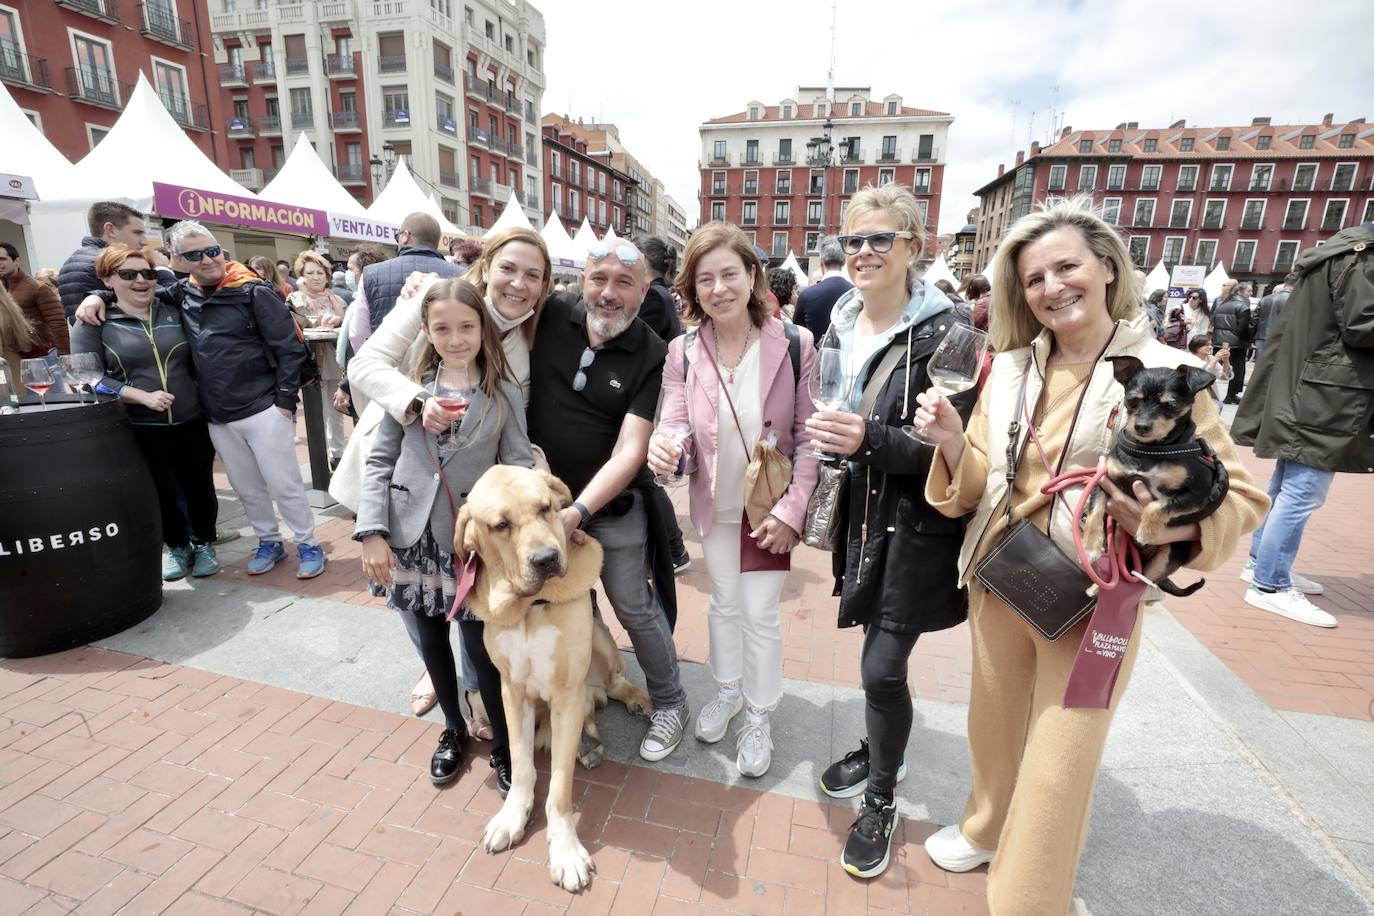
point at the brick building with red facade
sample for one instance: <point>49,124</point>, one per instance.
<point>579,183</point>
<point>1249,198</point>
<point>758,172</point>
<point>71,65</point>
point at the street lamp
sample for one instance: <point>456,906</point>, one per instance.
<point>387,160</point>
<point>820,151</point>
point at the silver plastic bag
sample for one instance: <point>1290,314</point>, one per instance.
<point>822,521</point>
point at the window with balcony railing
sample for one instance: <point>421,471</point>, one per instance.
<point>160,22</point>
<point>391,63</point>
<point>21,69</point>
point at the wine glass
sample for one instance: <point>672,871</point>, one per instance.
<point>675,435</point>
<point>829,387</point>
<point>80,369</point>
<point>453,393</point>
<point>37,377</point>
<point>9,399</point>
<point>954,367</point>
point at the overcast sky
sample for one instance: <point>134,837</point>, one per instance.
<point>658,70</point>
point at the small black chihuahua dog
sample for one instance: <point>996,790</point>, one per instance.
<point>1159,445</point>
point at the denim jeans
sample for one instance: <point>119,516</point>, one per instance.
<point>1296,491</point>
<point>624,575</point>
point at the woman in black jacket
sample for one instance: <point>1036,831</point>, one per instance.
<point>659,310</point>
<point>896,558</point>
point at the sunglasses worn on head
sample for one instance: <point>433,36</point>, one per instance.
<point>129,274</point>
<point>625,254</point>
<point>209,251</point>
<point>580,378</point>
<point>879,242</point>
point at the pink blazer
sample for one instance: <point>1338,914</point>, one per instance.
<point>785,409</point>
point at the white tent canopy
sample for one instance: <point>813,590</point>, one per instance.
<point>27,152</point>
<point>610,234</point>
<point>1157,279</point>
<point>560,244</point>
<point>512,217</point>
<point>792,265</point>
<point>402,197</point>
<point>307,182</point>
<point>584,239</point>
<point>1212,284</point>
<point>939,270</point>
<point>145,145</point>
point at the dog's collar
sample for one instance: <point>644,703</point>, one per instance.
<point>1196,447</point>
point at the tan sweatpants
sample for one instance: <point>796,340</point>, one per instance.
<point>1034,762</point>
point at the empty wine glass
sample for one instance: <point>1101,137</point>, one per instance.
<point>829,387</point>
<point>37,377</point>
<point>675,435</point>
<point>954,367</point>
<point>81,369</point>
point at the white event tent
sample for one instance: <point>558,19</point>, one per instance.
<point>792,265</point>
<point>560,244</point>
<point>610,234</point>
<point>27,152</point>
<point>584,239</point>
<point>939,270</point>
<point>402,197</point>
<point>512,217</point>
<point>143,146</point>
<point>306,181</point>
<point>1212,284</point>
<point>1157,279</point>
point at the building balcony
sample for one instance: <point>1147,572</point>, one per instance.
<point>496,145</point>
<point>303,120</point>
<point>1149,186</point>
<point>443,72</point>
<point>269,125</point>
<point>23,70</point>
<point>233,76</point>
<point>921,190</point>
<point>751,158</point>
<point>1241,266</point>
<point>160,23</point>
<point>94,86</point>
<point>269,174</point>
<point>396,117</point>
<point>340,66</point>
<point>450,178</point>
<point>719,161</point>
<point>240,21</point>
<point>529,200</point>
<point>297,66</point>
<point>482,188</point>
<point>290,12</point>
<point>515,150</point>
<point>240,129</point>
<point>1253,225</point>
<point>345,121</point>
<point>1220,186</point>
<point>531,116</point>
<point>929,155</point>
<point>1187,187</point>
<point>1178,223</point>
<point>1259,188</point>
<point>351,172</point>
<point>391,63</point>
<point>446,124</point>
<point>262,71</point>
<point>335,11</point>
<point>1055,185</point>
<point>1213,224</point>
<point>473,88</point>
<point>1295,225</point>
<point>249,178</point>
<point>780,159</point>
<point>853,157</point>
<point>531,157</point>
<point>105,10</point>
<point>751,190</point>
<point>1283,264</point>
<point>890,155</point>
<point>1332,225</point>
<point>190,115</point>
<point>478,136</point>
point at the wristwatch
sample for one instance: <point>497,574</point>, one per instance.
<point>417,403</point>
<point>582,510</point>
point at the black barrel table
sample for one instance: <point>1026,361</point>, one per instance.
<point>80,531</point>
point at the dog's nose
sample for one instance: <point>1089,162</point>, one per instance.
<point>1142,427</point>
<point>545,561</point>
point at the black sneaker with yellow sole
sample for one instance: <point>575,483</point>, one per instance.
<point>869,846</point>
<point>848,776</point>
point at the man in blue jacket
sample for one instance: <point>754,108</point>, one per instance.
<point>248,363</point>
<point>817,300</point>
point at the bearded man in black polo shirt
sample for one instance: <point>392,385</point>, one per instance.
<point>595,374</point>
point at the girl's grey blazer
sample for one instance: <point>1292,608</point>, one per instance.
<point>402,492</point>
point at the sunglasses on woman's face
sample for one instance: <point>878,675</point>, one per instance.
<point>879,242</point>
<point>129,274</point>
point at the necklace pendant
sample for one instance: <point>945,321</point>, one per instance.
<point>731,376</point>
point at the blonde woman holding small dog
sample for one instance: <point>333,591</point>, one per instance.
<point>416,481</point>
<point>1064,305</point>
<point>733,380</point>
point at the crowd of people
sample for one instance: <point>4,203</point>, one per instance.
<point>449,364</point>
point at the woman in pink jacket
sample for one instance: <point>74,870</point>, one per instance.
<point>738,378</point>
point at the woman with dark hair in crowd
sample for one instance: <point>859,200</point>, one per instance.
<point>660,310</point>
<point>1196,313</point>
<point>977,291</point>
<point>148,365</point>
<point>782,283</point>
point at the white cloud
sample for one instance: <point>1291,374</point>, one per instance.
<point>658,70</point>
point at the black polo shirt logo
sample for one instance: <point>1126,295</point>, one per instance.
<point>615,382</point>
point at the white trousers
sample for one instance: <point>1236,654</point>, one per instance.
<point>744,620</point>
<point>259,455</point>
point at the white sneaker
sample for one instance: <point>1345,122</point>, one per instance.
<point>948,849</point>
<point>1292,604</point>
<point>714,719</point>
<point>1079,907</point>
<point>755,743</point>
<point>1300,582</point>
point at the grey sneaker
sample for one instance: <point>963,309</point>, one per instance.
<point>715,716</point>
<point>755,744</point>
<point>666,727</point>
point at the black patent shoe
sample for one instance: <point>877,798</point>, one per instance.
<point>443,766</point>
<point>848,776</point>
<point>500,762</point>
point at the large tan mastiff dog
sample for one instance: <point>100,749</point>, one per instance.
<point>533,592</point>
